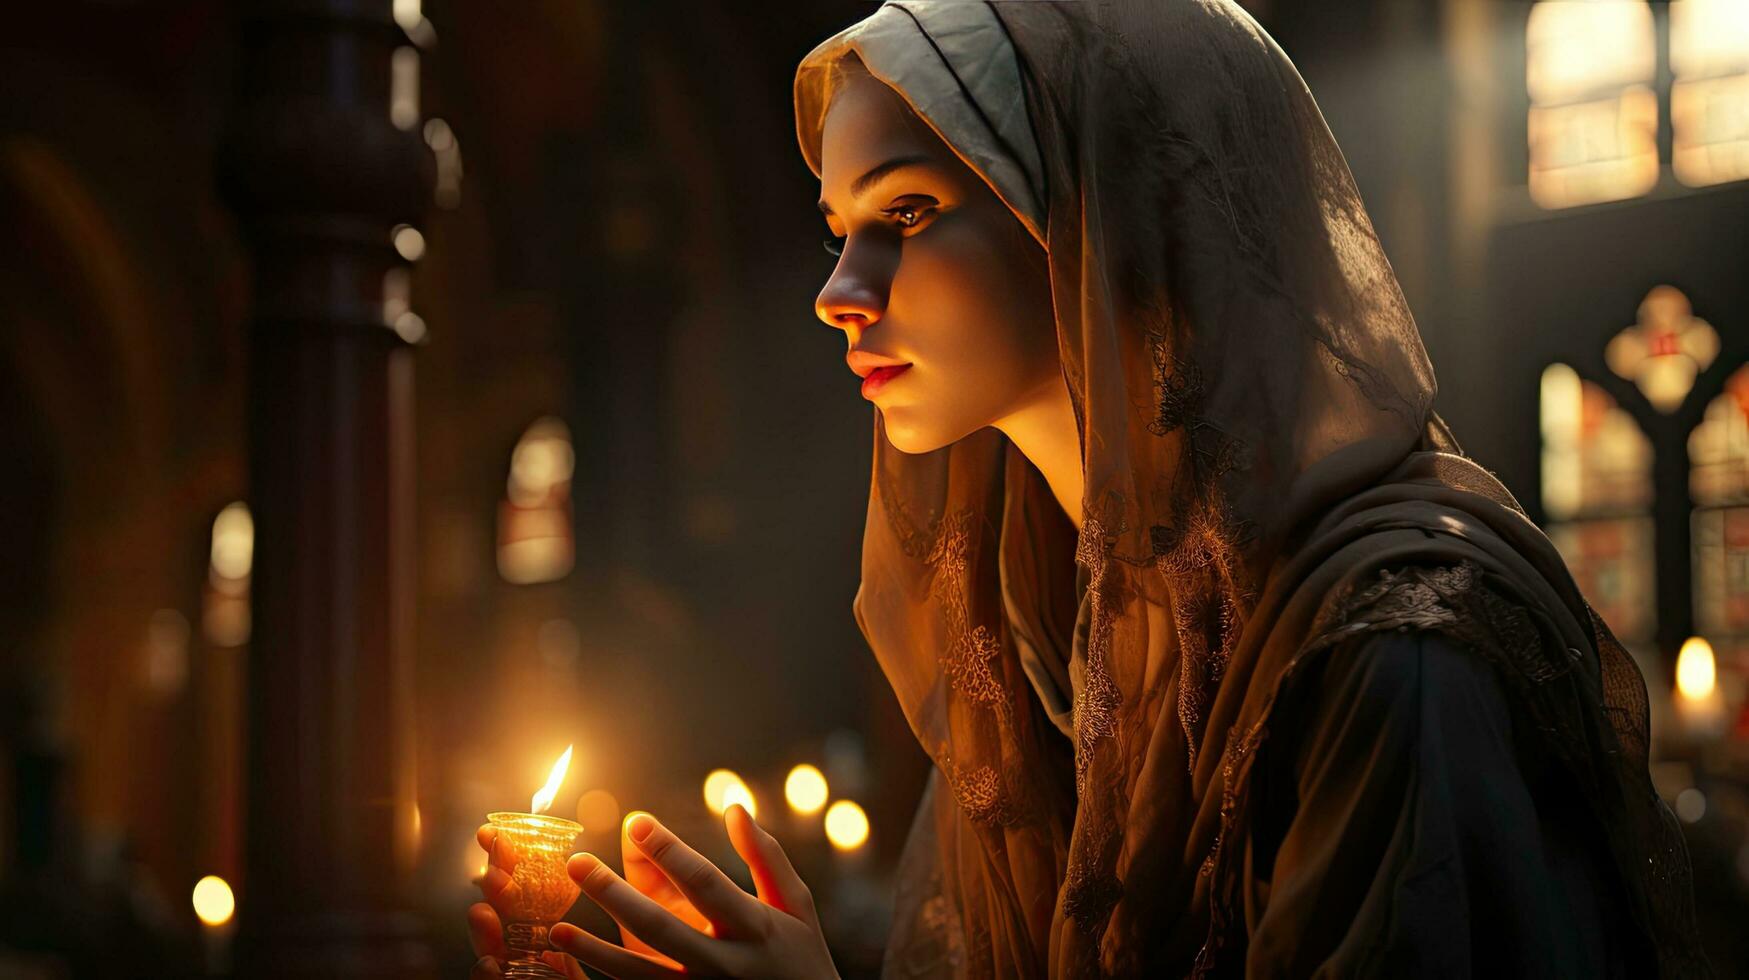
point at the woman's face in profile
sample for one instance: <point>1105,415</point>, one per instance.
<point>936,273</point>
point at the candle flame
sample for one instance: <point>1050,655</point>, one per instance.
<point>544,799</point>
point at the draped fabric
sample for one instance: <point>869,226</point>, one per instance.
<point>1255,410</point>
<point>1408,829</point>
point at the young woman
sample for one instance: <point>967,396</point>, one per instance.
<point>1228,660</point>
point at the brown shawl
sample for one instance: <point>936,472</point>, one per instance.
<point>1255,411</point>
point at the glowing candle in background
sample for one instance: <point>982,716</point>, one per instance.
<point>1699,703</point>
<point>846,826</point>
<point>540,891</point>
<point>597,811</point>
<point>723,787</point>
<point>214,905</point>
<point>741,794</point>
<point>805,790</point>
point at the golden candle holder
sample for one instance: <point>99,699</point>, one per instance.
<point>540,890</point>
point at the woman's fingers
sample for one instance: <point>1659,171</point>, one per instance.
<point>504,854</point>
<point>500,888</point>
<point>486,968</point>
<point>641,873</point>
<point>605,956</point>
<point>648,920</point>
<point>703,883</point>
<point>774,876</point>
<point>486,932</point>
<point>499,851</point>
<point>499,882</point>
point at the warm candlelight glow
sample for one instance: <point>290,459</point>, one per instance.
<point>846,825</point>
<point>213,901</point>
<point>409,242</point>
<point>233,548</point>
<point>739,793</point>
<point>805,789</point>
<point>543,800</point>
<point>1695,671</point>
<point>541,891</point>
<point>597,809</point>
<point>723,787</point>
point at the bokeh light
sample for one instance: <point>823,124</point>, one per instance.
<point>233,550</point>
<point>717,784</point>
<point>213,901</point>
<point>846,825</point>
<point>1696,672</point>
<point>723,787</point>
<point>410,242</point>
<point>805,789</point>
<point>742,795</point>
<point>597,810</point>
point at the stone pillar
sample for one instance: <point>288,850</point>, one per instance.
<point>319,175</point>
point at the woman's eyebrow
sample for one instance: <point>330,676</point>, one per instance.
<point>876,174</point>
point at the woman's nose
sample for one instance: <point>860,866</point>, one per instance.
<point>852,302</point>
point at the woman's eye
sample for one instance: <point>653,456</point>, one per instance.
<point>908,215</point>
<point>835,245</point>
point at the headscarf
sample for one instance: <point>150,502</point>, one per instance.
<point>1255,409</point>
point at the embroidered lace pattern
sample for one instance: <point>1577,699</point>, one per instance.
<point>969,662</point>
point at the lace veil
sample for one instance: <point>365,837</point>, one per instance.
<point>1255,411</point>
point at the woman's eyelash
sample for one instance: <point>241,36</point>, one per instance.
<point>916,209</point>
<point>835,244</point>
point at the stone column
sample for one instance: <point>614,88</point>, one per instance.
<point>319,175</point>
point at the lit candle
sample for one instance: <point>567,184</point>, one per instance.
<point>847,829</point>
<point>1699,702</point>
<point>540,891</point>
<point>805,790</point>
<point>214,905</point>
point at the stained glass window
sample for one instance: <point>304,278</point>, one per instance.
<point>1718,456</point>
<point>1597,493</point>
<point>1709,101</point>
<point>1593,127</point>
<point>1664,352</point>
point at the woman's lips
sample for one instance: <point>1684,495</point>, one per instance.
<point>879,377</point>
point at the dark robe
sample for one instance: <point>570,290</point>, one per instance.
<point>1403,831</point>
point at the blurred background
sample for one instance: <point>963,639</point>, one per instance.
<point>488,328</point>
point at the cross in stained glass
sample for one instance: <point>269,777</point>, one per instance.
<point>1665,350</point>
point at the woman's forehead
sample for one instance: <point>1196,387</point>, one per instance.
<point>869,124</point>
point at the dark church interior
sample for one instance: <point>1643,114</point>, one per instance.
<point>490,328</point>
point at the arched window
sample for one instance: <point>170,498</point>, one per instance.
<point>1595,97</point>
<point>1593,128</point>
<point>1597,493</point>
<point>1718,456</point>
<point>1709,102</point>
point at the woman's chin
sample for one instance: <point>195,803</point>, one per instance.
<point>913,439</point>
<point>911,444</point>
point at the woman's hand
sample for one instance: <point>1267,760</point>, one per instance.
<point>680,915</point>
<point>774,935</point>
